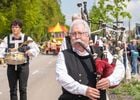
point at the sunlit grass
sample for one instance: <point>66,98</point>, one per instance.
<point>131,88</point>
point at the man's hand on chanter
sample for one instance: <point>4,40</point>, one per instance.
<point>93,93</point>
<point>103,84</point>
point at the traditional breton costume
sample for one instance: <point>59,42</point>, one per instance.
<point>18,72</point>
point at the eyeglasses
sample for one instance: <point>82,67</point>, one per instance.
<point>78,33</point>
<point>15,27</point>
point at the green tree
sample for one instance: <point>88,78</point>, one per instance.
<point>52,12</point>
<point>7,13</point>
<point>33,18</point>
<point>37,16</point>
<point>108,11</point>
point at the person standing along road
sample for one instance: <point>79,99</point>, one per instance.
<point>75,70</point>
<point>132,48</point>
<point>18,73</point>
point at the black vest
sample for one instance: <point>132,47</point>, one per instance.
<point>68,43</point>
<point>12,45</point>
<point>82,69</point>
<point>23,49</point>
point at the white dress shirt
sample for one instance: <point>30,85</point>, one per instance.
<point>74,87</point>
<point>33,46</point>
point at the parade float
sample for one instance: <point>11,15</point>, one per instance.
<point>52,46</point>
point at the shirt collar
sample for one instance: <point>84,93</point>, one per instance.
<point>84,53</point>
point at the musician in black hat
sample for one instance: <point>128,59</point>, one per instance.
<point>18,45</point>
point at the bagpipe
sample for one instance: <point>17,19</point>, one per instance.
<point>84,12</point>
<point>103,68</point>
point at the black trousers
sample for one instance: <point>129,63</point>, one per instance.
<point>72,97</point>
<point>15,76</point>
<point>68,96</point>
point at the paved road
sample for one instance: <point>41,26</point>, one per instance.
<point>42,84</point>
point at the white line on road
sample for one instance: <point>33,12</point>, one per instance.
<point>0,93</point>
<point>50,62</point>
<point>35,72</point>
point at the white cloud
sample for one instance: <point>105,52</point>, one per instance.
<point>133,8</point>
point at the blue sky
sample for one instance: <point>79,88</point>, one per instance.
<point>69,7</point>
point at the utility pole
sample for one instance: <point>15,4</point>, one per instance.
<point>129,28</point>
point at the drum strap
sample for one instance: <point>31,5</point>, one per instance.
<point>8,40</point>
<point>25,38</point>
<point>8,43</point>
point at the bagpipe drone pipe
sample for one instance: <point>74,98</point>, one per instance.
<point>103,68</point>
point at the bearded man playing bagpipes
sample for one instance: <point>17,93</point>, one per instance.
<point>82,75</point>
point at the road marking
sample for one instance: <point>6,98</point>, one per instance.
<point>0,93</point>
<point>50,62</point>
<point>35,72</point>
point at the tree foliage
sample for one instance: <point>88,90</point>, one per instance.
<point>108,11</point>
<point>37,16</point>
